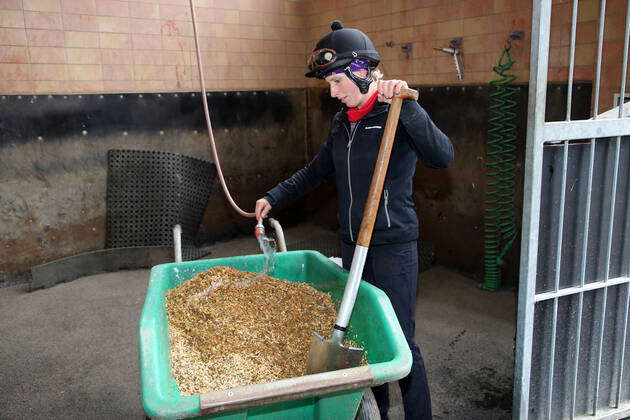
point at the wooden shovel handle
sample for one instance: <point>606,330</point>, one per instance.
<point>380,168</point>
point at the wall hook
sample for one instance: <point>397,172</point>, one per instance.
<point>406,48</point>
<point>514,36</point>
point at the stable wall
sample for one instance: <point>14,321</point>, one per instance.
<point>53,162</point>
<point>74,46</point>
<point>78,46</point>
<point>450,202</point>
<point>93,47</point>
<point>484,27</point>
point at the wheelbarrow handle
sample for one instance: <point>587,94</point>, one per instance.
<point>369,214</point>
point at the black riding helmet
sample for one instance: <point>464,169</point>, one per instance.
<point>337,49</point>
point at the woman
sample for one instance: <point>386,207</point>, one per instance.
<point>347,60</point>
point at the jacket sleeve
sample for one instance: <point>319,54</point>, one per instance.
<point>306,179</point>
<point>432,146</point>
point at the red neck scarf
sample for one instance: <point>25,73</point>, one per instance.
<point>355,114</point>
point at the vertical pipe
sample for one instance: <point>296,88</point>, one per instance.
<point>611,220</point>
<point>624,68</point>
<point>598,68</point>
<point>563,190</point>
<point>612,208</point>
<point>177,243</point>
<point>539,58</point>
<point>594,112</point>
<point>587,220</point>
<point>571,59</point>
<point>574,16</point>
<point>282,245</point>
<point>624,71</point>
<point>623,347</point>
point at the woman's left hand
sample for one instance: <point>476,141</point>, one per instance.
<point>387,89</point>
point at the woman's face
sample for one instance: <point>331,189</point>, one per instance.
<point>344,89</point>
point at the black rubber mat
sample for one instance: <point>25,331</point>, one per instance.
<point>148,192</point>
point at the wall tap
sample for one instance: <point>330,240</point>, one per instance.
<point>455,52</point>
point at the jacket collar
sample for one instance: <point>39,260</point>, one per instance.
<point>379,108</point>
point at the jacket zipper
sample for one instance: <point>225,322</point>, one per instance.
<point>386,197</point>
<point>350,139</point>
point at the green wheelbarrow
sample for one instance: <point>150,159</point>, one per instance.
<point>329,395</point>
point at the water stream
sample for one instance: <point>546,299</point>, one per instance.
<point>268,248</point>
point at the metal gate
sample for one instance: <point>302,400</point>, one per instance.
<point>572,343</point>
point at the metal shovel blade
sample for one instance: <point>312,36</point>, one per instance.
<point>327,355</point>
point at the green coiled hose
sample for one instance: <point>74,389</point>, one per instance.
<point>499,224</point>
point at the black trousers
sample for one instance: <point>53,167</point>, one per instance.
<point>393,268</point>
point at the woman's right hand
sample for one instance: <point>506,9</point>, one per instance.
<point>262,208</point>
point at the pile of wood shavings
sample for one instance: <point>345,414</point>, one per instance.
<point>226,331</point>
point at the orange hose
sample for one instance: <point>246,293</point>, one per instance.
<point>213,147</point>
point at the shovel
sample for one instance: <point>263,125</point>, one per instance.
<point>327,355</point>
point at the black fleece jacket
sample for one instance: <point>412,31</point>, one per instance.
<point>351,154</point>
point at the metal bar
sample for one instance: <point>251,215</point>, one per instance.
<point>541,18</point>
<point>624,68</point>
<point>614,112</point>
<point>598,71</point>
<point>581,289</point>
<point>609,414</point>
<point>612,206</point>
<point>571,59</point>
<point>554,324</point>
<point>552,360</point>
<point>624,71</point>
<point>177,242</point>
<point>599,352</point>
<point>611,223</point>
<point>623,348</point>
<point>587,220</point>
<point>282,244</point>
<point>578,336</point>
<point>584,129</point>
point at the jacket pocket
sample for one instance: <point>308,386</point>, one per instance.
<point>386,205</point>
<point>383,220</point>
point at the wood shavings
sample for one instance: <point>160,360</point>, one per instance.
<point>226,331</point>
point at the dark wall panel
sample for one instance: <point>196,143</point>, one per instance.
<point>450,203</point>
<point>53,151</point>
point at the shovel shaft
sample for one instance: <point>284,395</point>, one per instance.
<point>350,293</point>
<point>369,214</point>
<point>380,168</point>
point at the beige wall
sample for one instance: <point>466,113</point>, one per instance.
<point>142,46</point>
<point>428,24</point>
<point>586,45</point>
<point>115,45</point>
<point>484,26</point>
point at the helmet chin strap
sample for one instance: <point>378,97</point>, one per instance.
<point>362,83</point>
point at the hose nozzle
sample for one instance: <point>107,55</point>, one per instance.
<point>259,229</point>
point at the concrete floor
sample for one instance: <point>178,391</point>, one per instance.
<point>70,351</point>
